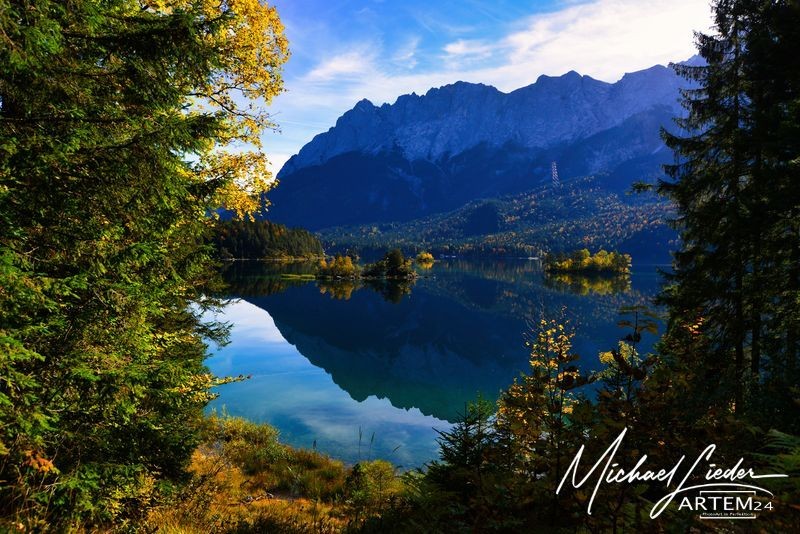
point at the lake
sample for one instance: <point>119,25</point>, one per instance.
<point>373,371</point>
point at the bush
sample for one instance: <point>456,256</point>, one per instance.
<point>371,487</point>
<point>425,259</point>
<point>245,480</point>
<point>250,446</point>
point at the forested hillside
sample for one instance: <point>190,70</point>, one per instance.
<point>578,214</point>
<point>246,239</point>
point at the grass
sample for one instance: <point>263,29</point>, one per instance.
<point>293,276</point>
<point>244,480</point>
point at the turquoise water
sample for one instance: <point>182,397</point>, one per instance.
<point>373,372</point>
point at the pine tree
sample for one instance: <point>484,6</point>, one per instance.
<point>114,117</point>
<point>735,187</point>
<point>774,196</point>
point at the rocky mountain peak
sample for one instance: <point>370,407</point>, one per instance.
<point>457,117</point>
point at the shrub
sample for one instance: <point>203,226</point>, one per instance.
<point>250,446</point>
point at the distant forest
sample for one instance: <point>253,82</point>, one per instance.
<point>580,213</point>
<point>243,239</point>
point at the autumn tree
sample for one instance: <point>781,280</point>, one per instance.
<point>338,267</point>
<point>393,265</point>
<point>115,123</point>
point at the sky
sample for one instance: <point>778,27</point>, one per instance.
<point>347,50</point>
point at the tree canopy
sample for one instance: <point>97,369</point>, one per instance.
<point>735,184</point>
<point>258,239</point>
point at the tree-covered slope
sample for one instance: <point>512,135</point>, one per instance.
<point>579,214</point>
<point>244,239</point>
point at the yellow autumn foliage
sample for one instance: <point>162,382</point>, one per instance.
<point>252,48</point>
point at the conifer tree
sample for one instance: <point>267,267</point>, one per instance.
<point>735,186</point>
<point>114,118</point>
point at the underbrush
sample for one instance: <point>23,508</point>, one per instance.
<point>244,480</point>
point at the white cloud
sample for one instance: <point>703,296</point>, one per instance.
<point>350,64</point>
<point>467,47</point>
<point>463,53</point>
<point>607,38</point>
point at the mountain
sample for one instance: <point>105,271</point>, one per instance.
<point>430,154</point>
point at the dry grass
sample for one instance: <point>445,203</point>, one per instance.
<point>243,480</point>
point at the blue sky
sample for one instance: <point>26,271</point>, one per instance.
<point>346,50</point>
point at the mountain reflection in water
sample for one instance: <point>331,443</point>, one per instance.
<point>334,360</point>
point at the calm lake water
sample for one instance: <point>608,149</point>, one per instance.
<point>371,372</point>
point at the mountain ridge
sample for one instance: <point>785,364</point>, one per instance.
<point>432,153</point>
<point>372,128</point>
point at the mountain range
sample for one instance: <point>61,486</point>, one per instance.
<point>439,152</point>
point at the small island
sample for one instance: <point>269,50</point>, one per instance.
<point>393,266</point>
<point>582,261</point>
<point>338,267</point>
<point>425,260</point>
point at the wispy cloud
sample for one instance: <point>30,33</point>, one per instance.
<point>465,52</point>
<point>436,24</point>
<point>406,56</point>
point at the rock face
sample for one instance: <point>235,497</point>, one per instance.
<point>432,153</point>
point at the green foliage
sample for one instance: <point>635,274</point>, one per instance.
<point>250,446</point>
<point>371,487</point>
<point>258,239</point>
<point>114,117</point>
<point>582,261</point>
<point>736,279</point>
<point>467,490</point>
